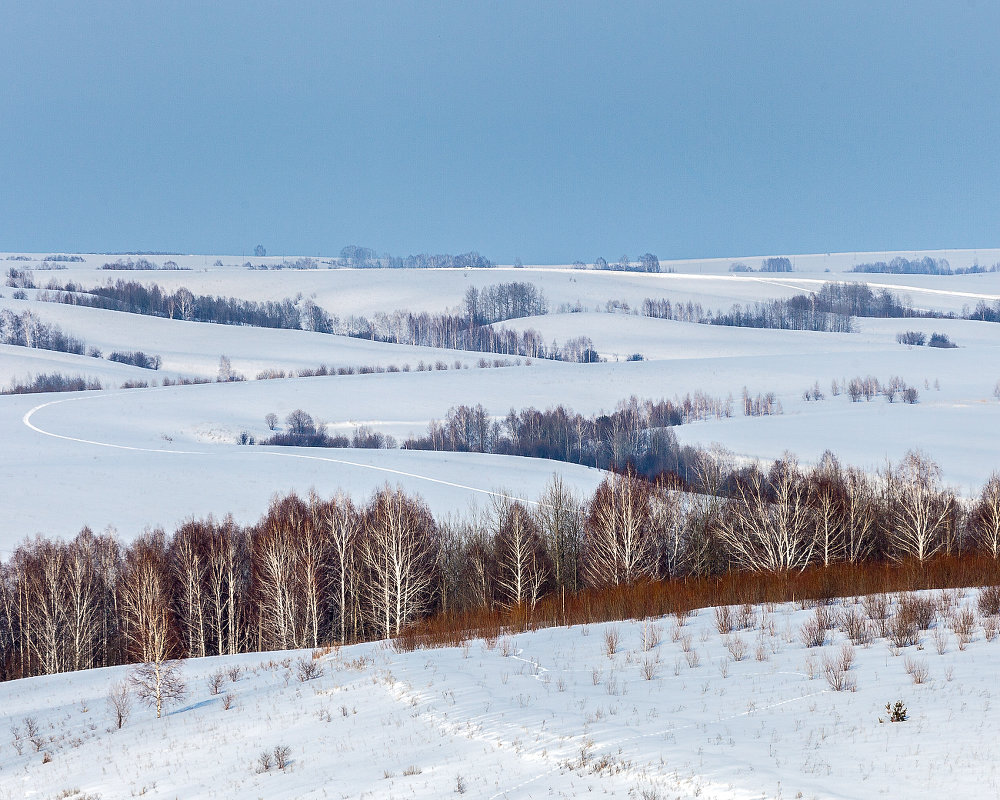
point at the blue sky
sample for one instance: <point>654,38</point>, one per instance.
<point>541,130</point>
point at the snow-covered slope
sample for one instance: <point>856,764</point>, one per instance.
<point>673,709</point>
<point>93,460</point>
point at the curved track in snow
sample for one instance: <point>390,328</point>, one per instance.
<point>27,420</point>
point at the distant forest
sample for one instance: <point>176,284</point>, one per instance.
<point>357,257</point>
<point>921,266</point>
<point>470,329</point>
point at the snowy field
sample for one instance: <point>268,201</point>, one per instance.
<point>72,460</point>
<point>666,708</point>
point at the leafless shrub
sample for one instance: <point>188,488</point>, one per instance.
<point>227,701</point>
<point>216,681</point>
<point>964,624</point>
<point>916,669</point>
<point>737,647</point>
<point>810,667</point>
<point>281,754</point>
<point>991,627</point>
<point>18,741</point>
<point>235,672</point>
<point>506,647</point>
<point>919,608</point>
<point>947,602</point>
<point>649,667</point>
<point>761,653</point>
<point>836,668</point>
<point>119,702</point>
<point>33,733</point>
<point>307,669</point>
<point>612,637</point>
<point>813,632</point>
<point>724,619</point>
<point>853,623</point>
<point>686,643</point>
<point>876,606</point>
<point>989,601</point>
<point>264,762</point>
<point>746,616</point>
<point>903,631</point>
<point>692,658</point>
<point>724,668</point>
<point>940,641</point>
<point>650,636</point>
<point>460,787</point>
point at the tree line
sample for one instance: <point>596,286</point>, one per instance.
<point>828,310</point>
<point>317,571</point>
<point>635,436</point>
<point>472,329</point>
<point>366,258</point>
<point>27,330</point>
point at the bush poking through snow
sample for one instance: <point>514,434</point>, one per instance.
<point>916,669</point>
<point>308,669</point>
<point>895,713</point>
<point>611,639</point>
<point>119,700</point>
<point>216,681</point>
<point>281,756</point>
<point>813,632</point>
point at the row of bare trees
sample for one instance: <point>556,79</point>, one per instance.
<point>315,571</point>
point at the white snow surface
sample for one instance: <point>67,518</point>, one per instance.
<point>153,457</point>
<point>676,711</point>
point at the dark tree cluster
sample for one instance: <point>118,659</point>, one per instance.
<point>136,358</point>
<point>27,330</point>
<point>136,298</point>
<point>634,436</point>
<point>452,331</point>
<point>134,264</point>
<point>828,310</point>
<point>776,264</point>
<point>647,262</point>
<point>504,301</point>
<point>905,266</point>
<point>799,313</point>
<point>53,382</point>
<point>366,258</point>
<point>20,278</point>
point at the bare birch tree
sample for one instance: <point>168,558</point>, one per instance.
<point>399,552</point>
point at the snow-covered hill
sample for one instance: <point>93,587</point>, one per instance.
<point>93,459</point>
<point>665,708</point>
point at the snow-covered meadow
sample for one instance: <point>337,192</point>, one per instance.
<point>648,709</point>
<point>71,461</point>
<point>675,707</point>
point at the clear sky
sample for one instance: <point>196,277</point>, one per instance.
<point>542,130</point>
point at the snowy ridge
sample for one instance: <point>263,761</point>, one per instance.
<point>673,709</point>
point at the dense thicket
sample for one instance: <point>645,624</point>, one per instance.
<point>315,571</point>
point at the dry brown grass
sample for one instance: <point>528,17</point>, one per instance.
<point>680,596</point>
